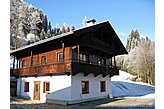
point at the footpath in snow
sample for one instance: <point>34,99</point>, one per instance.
<point>122,86</point>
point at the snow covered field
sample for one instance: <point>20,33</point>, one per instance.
<point>123,87</point>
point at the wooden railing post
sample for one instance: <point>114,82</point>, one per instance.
<point>14,63</point>
<point>78,52</point>
<point>17,64</point>
<point>114,61</point>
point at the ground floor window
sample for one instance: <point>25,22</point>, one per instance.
<point>46,87</point>
<point>102,86</point>
<point>26,86</point>
<point>85,87</point>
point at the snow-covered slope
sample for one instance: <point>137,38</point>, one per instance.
<point>122,76</point>
<point>123,87</point>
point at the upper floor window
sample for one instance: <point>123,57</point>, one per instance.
<point>85,87</point>
<point>101,61</point>
<point>43,60</point>
<point>32,61</point>
<point>84,57</point>
<point>23,63</point>
<point>102,86</point>
<point>60,57</point>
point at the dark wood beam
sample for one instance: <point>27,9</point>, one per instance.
<point>104,75</point>
<point>78,52</point>
<point>86,74</point>
<point>14,63</point>
<point>114,61</point>
<point>17,64</point>
<point>95,75</point>
<point>67,73</point>
<point>74,73</point>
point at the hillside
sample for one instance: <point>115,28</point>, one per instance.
<point>122,86</point>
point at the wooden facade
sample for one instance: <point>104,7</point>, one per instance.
<point>87,50</point>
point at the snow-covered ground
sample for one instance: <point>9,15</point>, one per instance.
<point>122,86</point>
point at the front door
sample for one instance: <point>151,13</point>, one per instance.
<point>36,90</point>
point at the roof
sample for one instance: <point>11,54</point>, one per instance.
<point>119,46</point>
<point>41,41</point>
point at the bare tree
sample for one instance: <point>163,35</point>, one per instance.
<point>144,61</point>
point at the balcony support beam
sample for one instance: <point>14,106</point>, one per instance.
<point>14,63</point>
<point>95,75</point>
<point>74,73</point>
<point>104,75</point>
<point>86,74</point>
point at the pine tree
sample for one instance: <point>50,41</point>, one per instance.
<point>68,29</point>
<point>133,40</point>
<point>48,33</point>
<point>72,28</point>
<point>45,24</point>
<point>57,29</point>
<point>49,26</point>
<point>42,34</point>
<point>34,23</point>
<point>63,29</point>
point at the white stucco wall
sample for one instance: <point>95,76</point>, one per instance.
<point>94,87</point>
<point>59,87</point>
<point>66,88</point>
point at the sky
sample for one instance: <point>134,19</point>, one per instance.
<point>124,15</point>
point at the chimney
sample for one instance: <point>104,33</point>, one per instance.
<point>90,22</point>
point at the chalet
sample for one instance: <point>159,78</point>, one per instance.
<point>69,68</point>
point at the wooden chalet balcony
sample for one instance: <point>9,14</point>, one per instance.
<point>66,67</point>
<point>87,68</point>
<point>47,69</point>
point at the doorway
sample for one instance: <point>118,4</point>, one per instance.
<point>36,90</point>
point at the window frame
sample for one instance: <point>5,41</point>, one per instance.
<point>32,62</point>
<point>43,60</point>
<point>58,57</point>
<point>23,63</point>
<point>86,83</point>
<point>45,87</point>
<point>101,61</point>
<point>84,57</point>
<point>26,86</point>
<point>102,86</point>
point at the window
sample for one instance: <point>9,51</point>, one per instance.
<point>60,57</point>
<point>46,87</point>
<point>101,61</point>
<point>23,63</point>
<point>102,86</point>
<point>43,60</point>
<point>85,87</point>
<point>32,61</point>
<point>26,86</point>
<point>84,57</point>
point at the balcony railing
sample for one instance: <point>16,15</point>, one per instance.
<point>95,68</point>
<point>67,67</point>
<point>46,69</point>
